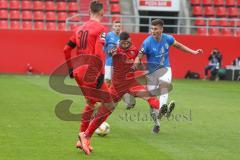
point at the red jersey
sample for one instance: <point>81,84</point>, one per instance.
<point>89,39</point>
<point>122,62</point>
<point>121,81</point>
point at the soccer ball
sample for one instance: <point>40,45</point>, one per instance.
<point>103,130</point>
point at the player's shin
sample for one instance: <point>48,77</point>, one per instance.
<point>102,114</point>
<point>154,112</point>
<point>86,117</point>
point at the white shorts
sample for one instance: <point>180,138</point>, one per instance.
<point>161,77</point>
<point>108,72</point>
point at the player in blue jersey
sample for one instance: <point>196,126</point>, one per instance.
<point>112,40</point>
<point>156,48</point>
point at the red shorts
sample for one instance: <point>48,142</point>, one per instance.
<point>134,88</point>
<point>88,85</point>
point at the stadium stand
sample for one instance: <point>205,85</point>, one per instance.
<point>221,14</point>
<point>36,14</point>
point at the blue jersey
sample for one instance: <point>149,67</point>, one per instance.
<point>112,41</point>
<point>157,52</point>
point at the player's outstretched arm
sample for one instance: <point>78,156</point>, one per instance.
<point>137,61</point>
<point>184,48</point>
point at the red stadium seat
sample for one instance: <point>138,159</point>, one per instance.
<point>214,32</point>
<point>230,3</point>
<point>209,11</point>
<point>61,6</point>
<point>202,31</point>
<point>27,15</point>
<point>200,21</point>
<point>115,9</point>
<point>221,12</point>
<point>223,23</point>
<point>118,1</point>
<point>212,22</point>
<point>207,2</point>
<point>62,26</point>
<point>14,4</point>
<point>51,26</point>
<point>73,6</point>
<point>238,32</point>
<point>3,14</point>
<point>62,16</point>
<point>26,5</point>
<point>14,14</point>
<point>233,12</point>
<point>39,15</point>
<point>51,16</point>
<point>219,2</point>
<point>3,24</point>
<point>39,25</point>
<point>116,17</point>
<point>27,25</point>
<point>3,4</point>
<point>232,23</point>
<point>38,5</point>
<point>238,23</point>
<point>238,3</point>
<point>197,11</point>
<point>227,32</point>
<point>50,6</point>
<point>15,25</point>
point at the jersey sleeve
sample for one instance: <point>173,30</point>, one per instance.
<point>136,51</point>
<point>110,44</point>
<point>144,47</point>
<point>71,44</point>
<point>171,40</point>
<point>101,38</point>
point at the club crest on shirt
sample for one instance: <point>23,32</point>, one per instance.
<point>166,46</point>
<point>132,53</point>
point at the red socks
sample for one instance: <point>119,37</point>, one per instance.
<point>101,116</point>
<point>154,102</point>
<point>86,117</point>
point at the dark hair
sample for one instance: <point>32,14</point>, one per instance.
<point>156,22</point>
<point>96,6</point>
<point>124,36</point>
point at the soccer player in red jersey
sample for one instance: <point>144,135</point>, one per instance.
<point>89,40</point>
<point>124,81</point>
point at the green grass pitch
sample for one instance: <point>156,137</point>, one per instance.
<point>205,125</point>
